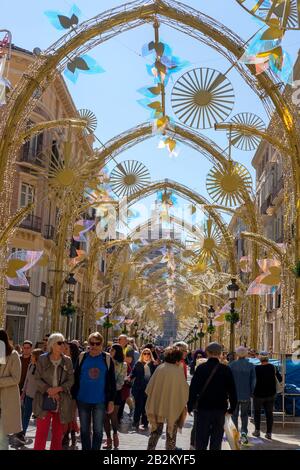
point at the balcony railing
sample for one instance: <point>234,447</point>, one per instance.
<point>278,187</point>
<point>28,156</point>
<point>49,232</point>
<point>32,222</point>
<point>267,203</point>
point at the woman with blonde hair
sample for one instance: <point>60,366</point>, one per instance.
<point>53,402</point>
<point>140,375</point>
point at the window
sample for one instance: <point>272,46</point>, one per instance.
<point>43,289</point>
<point>27,194</point>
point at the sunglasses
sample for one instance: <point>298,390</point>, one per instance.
<point>60,343</point>
<point>95,344</point>
<point>146,354</point>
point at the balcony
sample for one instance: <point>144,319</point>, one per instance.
<point>49,232</point>
<point>266,204</point>
<point>21,288</point>
<point>32,156</point>
<point>32,222</point>
<point>278,187</point>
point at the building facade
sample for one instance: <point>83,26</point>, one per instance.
<point>29,308</point>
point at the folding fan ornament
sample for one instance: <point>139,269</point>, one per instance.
<point>286,12</point>
<point>19,263</point>
<point>80,228</point>
<point>228,184</point>
<point>242,140</point>
<point>202,97</point>
<point>129,177</point>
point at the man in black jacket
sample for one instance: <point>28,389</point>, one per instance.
<point>211,387</point>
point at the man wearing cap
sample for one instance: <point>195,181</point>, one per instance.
<point>264,393</point>
<point>244,377</point>
<point>211,387</point>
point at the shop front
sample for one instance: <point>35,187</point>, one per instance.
<point>16,316</point>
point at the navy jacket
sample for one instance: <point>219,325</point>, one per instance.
<point>138,376</point>
<point>220,389</point>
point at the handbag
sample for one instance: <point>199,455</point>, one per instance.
<point>48,403</point>
<point>279,386</point>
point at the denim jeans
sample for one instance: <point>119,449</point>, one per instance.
<point>244,405</point>
<point>140,399</point>
<point>88,413</point>
<point>26,412</point>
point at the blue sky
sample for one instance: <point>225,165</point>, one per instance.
<point>113,96</point>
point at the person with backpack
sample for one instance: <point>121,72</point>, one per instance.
<point>94,390</point>
<point>212,386</point>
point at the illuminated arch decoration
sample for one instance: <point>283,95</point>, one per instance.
<point>108,24</point>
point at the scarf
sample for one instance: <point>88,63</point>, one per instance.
<point>168,394</point>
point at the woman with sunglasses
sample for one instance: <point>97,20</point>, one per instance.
<point>53,402</point>
<point>111,420</point>
<point>140,376</point>
<point>94,390</point>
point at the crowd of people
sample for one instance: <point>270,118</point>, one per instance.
<point>71,388</point>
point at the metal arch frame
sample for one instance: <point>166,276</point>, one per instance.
<point>185,192</point>
<point>185,226</point>
<point>128,16</point>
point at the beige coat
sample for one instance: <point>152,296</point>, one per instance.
<point>168,393</point>
<point>10,405</point>
<point>44,378</point>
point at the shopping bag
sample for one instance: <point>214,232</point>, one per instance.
<point>232,434</point>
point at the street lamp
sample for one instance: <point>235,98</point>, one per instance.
<point>195,330</point>
<point>70,310</point>
<point>211,316</point>
<point>135,331</point>
<point>233,316</point>
<point>201,334</point>
<point>107,324</point>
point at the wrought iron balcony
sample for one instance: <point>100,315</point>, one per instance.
<point>28,156</point>
<point>32,222</point>
<point>49,232</point>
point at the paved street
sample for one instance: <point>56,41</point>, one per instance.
<point>283,439</point>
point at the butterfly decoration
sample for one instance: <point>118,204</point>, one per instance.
<point>80,228</point>
<point>82,64</point>
<point>163,66</point>
<point>245,264</point>
<point>61,21</point>
<point>5,85</point>
<point>265,52</point>
<point>19,263</point>
<point>267,282</point>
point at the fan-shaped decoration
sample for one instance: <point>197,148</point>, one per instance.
<point>227,185</point>
<point>212,239</point>
<point>242,140</point>
<point>202,97</point>
<point>90,118</point>
<point>129,177</point>
<point>284,11</point>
